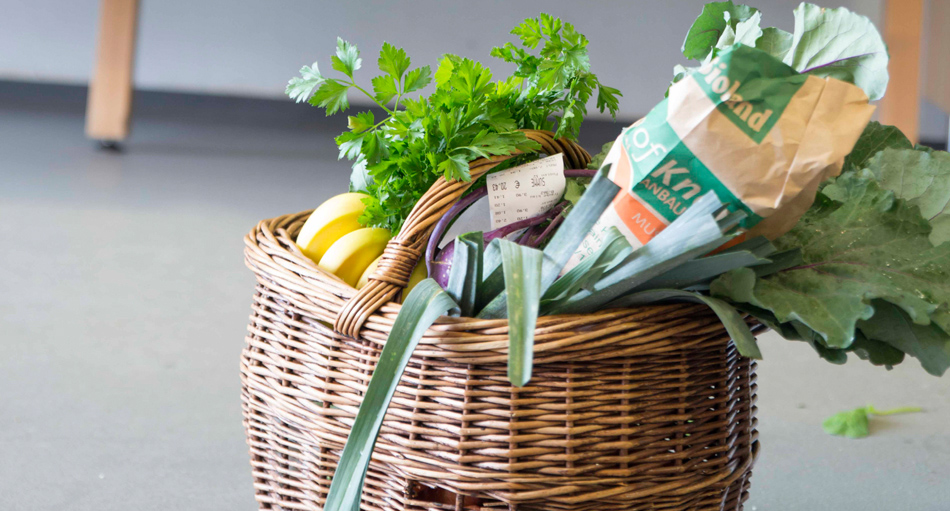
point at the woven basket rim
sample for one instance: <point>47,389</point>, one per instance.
<point>270,244</point>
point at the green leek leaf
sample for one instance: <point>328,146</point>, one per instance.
<point>694,234</point>
<point>466,272</point>
<point>522,269</point>
<point>736,327</point>
<point>699,272</point>
<point>562,245</point>
<point>614,248</point>
<point>425,304</point>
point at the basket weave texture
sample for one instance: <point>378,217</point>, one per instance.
<point>649,408</point>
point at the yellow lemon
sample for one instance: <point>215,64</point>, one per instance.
<point>328,223</point>
<point>349,257</point>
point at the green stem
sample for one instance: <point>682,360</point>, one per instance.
<point>370,96</point>
<point>905,409</point>
<point>378,124</point>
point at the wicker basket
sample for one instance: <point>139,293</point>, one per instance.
<point>649,408</point>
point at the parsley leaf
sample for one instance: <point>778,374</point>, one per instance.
<point>529,32</point>
<point>385,88</point>
<point>555,81</point>
<point>455,167</point>
<point>347,58</point>
<point>468,115</point>
<point>331,95</point>
<point>393,61</point>
<point>361,122</point>
<point>300,88</point>
<point>444,72</point>
<point>854,423</point>
<point>350,143</point>
<point>417,79</point>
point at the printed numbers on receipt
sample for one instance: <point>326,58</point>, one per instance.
<point>525,191</point>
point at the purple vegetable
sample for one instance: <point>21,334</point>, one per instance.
<point>440,227</point>
<point>440,265</point>
<point>536,236</point>
<point>580,172</point>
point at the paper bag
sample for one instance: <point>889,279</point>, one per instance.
<point>745,126</point>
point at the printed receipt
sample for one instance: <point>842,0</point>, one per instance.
<point>525,191</point>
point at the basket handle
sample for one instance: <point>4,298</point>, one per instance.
<point>404,251</point>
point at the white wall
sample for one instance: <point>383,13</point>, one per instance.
<point>253,48</point>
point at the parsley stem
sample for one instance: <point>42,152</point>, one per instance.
<point>905,409</point>
<point>378,124</point>
<point>353,82</point>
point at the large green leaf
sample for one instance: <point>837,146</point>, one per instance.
<point>774,41</point>
<point>735,325</point>
<point>840,44</point>
<point>779,261</point>
<point>875,138</point>
<point>710,25</point>
<point>729,24</point>
<point>598,159</point>
<point>466,274</point>
<point>877,352</point>
<point>871,246</point>
<point>425,303</point>
<point>923,179</point>
<point>522,269</point>
<point>746,32</point>
<point>826,42</point>
<point>927,343</point>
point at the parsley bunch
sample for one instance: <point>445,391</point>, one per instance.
<point>396,159</point>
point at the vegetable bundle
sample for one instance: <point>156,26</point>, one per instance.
<point>866,269</point>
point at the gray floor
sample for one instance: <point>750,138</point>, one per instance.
<point>123,300</point>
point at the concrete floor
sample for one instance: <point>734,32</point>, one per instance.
<point>123,301</point>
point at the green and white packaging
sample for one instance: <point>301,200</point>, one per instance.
<point>745,126</point>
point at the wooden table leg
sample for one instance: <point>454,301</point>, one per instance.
<point>109,106</point>
<point>903,27</point>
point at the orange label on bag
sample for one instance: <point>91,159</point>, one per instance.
<point>637,216</point>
